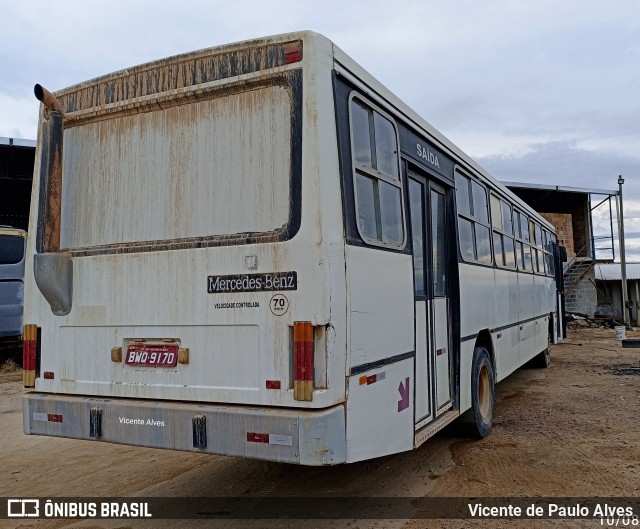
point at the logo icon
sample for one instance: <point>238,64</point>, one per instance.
<point>23,508</point>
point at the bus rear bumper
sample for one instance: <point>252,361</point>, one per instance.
<point>307,437</point>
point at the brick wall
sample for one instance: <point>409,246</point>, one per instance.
<point>563,223</point>
<point>580,230</point>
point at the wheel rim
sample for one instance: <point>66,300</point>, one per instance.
<point>484,392</point>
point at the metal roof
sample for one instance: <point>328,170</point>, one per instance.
<point>561,189</point>
<point>612,272</point>
<point>17,142</point>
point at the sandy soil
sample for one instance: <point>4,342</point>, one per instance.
<point>570,430</point>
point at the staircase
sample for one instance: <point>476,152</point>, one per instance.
<point>576,270</point>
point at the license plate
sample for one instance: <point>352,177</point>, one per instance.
<point>152,355</point>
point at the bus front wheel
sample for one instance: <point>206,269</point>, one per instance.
<point>483,394</point>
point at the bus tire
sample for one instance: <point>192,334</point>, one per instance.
<point>542,360</point>
<point>479,418</point>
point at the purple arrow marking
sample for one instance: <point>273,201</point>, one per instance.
<point>403,388</point>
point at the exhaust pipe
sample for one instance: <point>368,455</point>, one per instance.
<point>49,101</point>
<point>48,239</point>
<point>53,270</point>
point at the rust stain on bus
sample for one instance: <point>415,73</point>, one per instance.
<point>174,75</point>
<point>51,185</point>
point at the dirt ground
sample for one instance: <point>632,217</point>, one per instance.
<point>570,430</point>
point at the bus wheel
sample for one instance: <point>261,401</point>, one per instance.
<point>542,360</point>
<point>483,394</point>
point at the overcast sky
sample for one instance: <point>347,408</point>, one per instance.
<point>541,91</point>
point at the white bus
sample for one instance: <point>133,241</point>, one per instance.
<point>258,250</point>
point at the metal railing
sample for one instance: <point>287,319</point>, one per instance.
<point>577,269</point>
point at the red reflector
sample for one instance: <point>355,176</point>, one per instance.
<point>296,56</point>
<point>371,379</point>
<point>303,350</point>
<point>303,360</point>
<point>29,347</point>
<point>293,52</point>
<point>257,437</point>
<point>273,384</point>
<point>54,417</point>
<point>49,375</point>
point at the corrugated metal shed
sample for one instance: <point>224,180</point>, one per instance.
<point>561,189</point>
<point>612,272</point>
<point>16,172</point>
<point>17,142</point>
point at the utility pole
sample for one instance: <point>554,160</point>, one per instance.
<point>623,262</point>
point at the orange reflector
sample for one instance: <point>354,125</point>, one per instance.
<point>29,346</point>
<point>116,354</point>
<point>303,360</point>
<point>365,380</point>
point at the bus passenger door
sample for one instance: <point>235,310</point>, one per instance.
<point>432,332</point>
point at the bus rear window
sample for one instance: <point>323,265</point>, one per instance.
<point>212,167</point>
<point>11,249</point>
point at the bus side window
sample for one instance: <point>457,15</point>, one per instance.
<point>523,238</point>
<point>519,245</point>
<point>548,253</point>
<point>537,235</point>
<point>473,220</point>
<point>503,245</point>
<point>378,189</point>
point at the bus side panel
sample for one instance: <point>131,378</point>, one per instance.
<point>380,411</point>
<point>549,296</point>
<point>381,342</point>
<point>477,283</point>
<point>506,339</point>
<point>536,303</point>
<point>548,307</point>
<point>381,308</point>
<point>466,357</point>
<point>526,313</point>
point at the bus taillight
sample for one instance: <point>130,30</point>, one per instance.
<point>303,360</point>
<point>29,346</point>
<point>293,52</point>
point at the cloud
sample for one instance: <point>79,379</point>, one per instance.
<point>18,116</point>
<point>565,163</point>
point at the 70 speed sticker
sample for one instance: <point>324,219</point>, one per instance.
<point>279,305</point>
